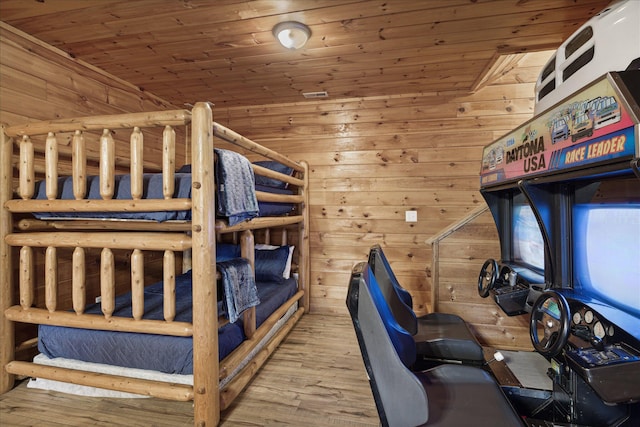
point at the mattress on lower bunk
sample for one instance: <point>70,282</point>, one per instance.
<point>59,362</point>
<point>169,354</point>
<point>152,190</point>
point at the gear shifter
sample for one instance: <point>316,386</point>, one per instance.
<point>584,332</point>
<point>597,343</point>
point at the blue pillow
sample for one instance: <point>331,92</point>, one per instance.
<point>227,251</point>
<point>274,166</point>
<point>270,264</point>
<point>185,169</point>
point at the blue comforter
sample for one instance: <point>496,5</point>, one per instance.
<point>153,190</point>
<point>162,353</point>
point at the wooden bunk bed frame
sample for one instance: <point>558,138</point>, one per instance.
<point>197,237</point>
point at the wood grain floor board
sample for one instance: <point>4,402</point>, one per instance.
<point>315,378</point>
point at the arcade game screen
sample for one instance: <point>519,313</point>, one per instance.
<point>528,247</point>
<point>607,253</point>
<point>606,245</point>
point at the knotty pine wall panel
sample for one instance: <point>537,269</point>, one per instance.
<point>40,82</point>
<point>373,159</point>
<point>461,256</point>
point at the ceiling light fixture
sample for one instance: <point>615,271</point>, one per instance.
<point>291,34</point>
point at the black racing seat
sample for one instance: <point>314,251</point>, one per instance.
<point>448,395</point>
<point>439,336</point>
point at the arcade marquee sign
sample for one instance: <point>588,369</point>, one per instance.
<point>592,126</point>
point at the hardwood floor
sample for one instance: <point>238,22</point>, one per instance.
<point>315,378</point>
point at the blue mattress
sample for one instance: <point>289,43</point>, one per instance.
<point>273,208</point>
<point>152,190</point>
<point>162,353</point>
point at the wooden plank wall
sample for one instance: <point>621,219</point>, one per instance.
<point>371,159</point>
<point>460,257</point>
<point>40,82</point>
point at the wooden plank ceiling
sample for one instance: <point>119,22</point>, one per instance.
<point>224,51</point>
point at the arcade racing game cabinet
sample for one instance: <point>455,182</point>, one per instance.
<point>567,212</point>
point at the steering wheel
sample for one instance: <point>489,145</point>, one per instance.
<point>549,325</point>
<point>487,278</point>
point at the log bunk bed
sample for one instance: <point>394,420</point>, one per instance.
<point>175,247</point>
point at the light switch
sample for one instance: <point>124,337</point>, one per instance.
<point>411,216</point>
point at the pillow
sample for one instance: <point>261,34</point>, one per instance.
<point>227,251</point>
<point>287,269</point>
<point>185,169</point>
<point>270,264</point>
<point>274,166</point>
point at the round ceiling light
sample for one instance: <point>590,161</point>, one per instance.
<point>292,34</point>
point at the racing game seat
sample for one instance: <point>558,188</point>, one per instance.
<point>438,336</point>
<point>443,396</point>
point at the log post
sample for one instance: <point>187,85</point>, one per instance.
<point>51,160</point>
<point>27,173</point>
<point>7,343</point>
<point>26,277</point>
<point>107,282</point>
<point>77,281</point>
<point>303,239</point>
<point>168,161</point>
<point>247,251</point>
<point>137,163</point>
<point>205,313</point>
<point>79,165</point>
<point>107,165</point>
<point>169,283</point>
<point>51,279</point>
<point>137,284</point>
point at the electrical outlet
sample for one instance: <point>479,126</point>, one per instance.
<point>411,216</point>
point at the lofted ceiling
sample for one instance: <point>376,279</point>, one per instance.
<point>224,51</point>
